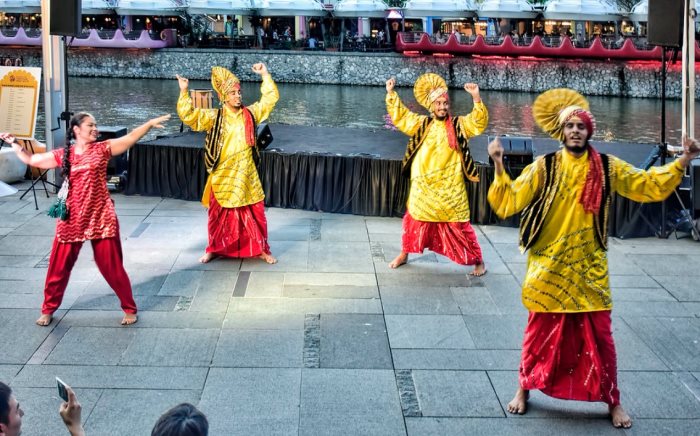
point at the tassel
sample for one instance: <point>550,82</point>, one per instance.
<point>59,209</point>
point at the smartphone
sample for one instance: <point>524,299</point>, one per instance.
<point>62,391</point>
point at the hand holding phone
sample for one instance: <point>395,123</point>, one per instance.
<point>62,389</point>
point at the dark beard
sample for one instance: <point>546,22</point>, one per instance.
<point>576,149</point>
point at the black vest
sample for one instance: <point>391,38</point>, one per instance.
<point>468,164</point>
<point>213,144</point>
<point>533,216</point>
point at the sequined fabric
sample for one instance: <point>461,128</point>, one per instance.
<point>570,356</point>
<point>234,181</point>
<point>92,214</point>
<point>567,269</point>
<point>456,241</point>
<point>237,232</point>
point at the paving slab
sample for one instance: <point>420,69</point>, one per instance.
<point>112,377</point>
<point>305,305</point>
<point>418,300</point>
<point>680,286</point>
<point>333,257</point>
<point>456,393</point>
<point>456,359</point>
<point>259,348</point>
<point>8,372</point>
<point>252,401</point>
<point>658,395</point>
<point>264,321</point>
<point>344,230</point>
<point>509,427</point>
<point>354,341</point>
<point>344,401</point>
<point>170,347</point>
<point>20,336</point>
<point>133,410</point>
<point>499,332</point>
<point>147,319</point>
<point>679,353</point>
<point>111,302</point>
<point>99,346</point>
<point>475,300</point>
<point>428,331</point>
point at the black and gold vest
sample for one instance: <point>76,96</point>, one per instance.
<point>533,216</point>
<point>468,164</point>
<point>213,143</point>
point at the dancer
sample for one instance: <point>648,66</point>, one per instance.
<point>438,160</point>
<point>568,349</point>
<point>233,192</point>
<point>85,209</point>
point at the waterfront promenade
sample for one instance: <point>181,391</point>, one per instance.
<point>329,341</point>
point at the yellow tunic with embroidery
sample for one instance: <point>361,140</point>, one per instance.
<point>567,269</point>
<point>235,180</point>
<point>437,192</point>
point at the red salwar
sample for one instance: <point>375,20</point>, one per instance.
<point>109,260</point>
<point>570,356</point>
<point>237,231</point>
<point>454,240</point>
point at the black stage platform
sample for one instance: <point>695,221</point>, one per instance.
<point>343,170</point>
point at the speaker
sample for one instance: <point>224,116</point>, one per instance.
<point>695,187</point>
<point>65,17</point>
<point>665,23</point>
<point>517,150</point>
<point>117,165</point>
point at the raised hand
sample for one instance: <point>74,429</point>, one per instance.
<point>7,137</point>
<point>260,68</point>
<point>158,122</point>
<point>495,150</point>
<point>390,84</point>
<point>183,82</point>
<point>473,90</point>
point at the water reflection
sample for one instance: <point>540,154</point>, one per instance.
<point>128,102</point>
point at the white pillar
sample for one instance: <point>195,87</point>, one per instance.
<point>54,74</point>
<point>688,71</point>
<point>366,29</point>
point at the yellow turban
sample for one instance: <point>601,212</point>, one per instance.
<point>223,82</point>
<point>428,88</point>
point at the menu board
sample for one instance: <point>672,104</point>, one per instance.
<point>19,100</point>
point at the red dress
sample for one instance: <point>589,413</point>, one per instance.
<point>90,208</point>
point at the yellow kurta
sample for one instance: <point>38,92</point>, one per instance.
<point>567,270</point>
<point>437,192</point>
<point>235,180</point>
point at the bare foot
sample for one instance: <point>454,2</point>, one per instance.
<point>401,259</point>
<point>620,418</point>
<point>208,257</point>
<point>44,319</point>
<point>268,258</point>
<point>129,318</point>
<point>479,270</point>
<point>518,405</point>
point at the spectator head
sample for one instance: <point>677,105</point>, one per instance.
<point>182,420</point>
<point>10,413</point>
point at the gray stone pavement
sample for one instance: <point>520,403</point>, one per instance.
<point>329,341</point>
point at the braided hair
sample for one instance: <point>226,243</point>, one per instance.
<point>76,120</point>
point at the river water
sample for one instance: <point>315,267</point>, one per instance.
<point>129,102</point>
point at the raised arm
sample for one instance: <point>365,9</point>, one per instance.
<point>195,118</point>
<point>404,120</point>
<point>475,123</point>
<point>269,95</point>
<point>45,161</point>
<point>120,145</point>
<point>508,197</point>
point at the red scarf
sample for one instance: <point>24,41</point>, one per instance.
<point>592,194</point>
<point>248,121</point>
